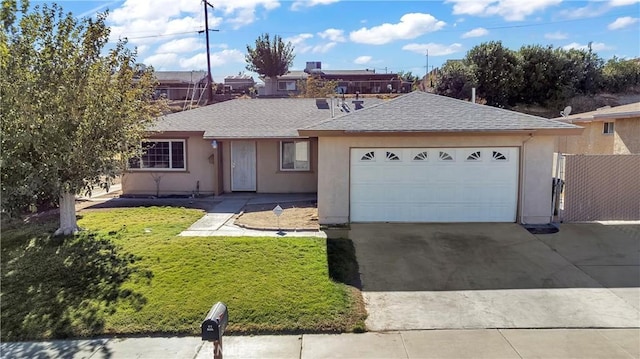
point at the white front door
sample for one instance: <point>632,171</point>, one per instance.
<point>434,184</point>
<point>243,166</point>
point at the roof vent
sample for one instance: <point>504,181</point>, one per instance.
<point>322,104</point>
<point>357,104</point>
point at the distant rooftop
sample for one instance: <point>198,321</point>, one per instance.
<point>630,110</point>
<point>180,76</point>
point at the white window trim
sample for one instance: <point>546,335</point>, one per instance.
<point>170,169</point>
<point>294,169</point>
<point>611,127</point>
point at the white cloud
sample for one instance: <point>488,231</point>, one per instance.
<point>595,46</point>
<point>333,35</point>
<point>161,61</point>
<point>362,60</point>
<point>299,42</point>
<point>168,61</point>
<point>189,44</point>
<point>142,49</point>
<point>478,32</point>
<point>298,39</point>
<point>434,49</point>
<point>556,35</point>
<point>510,10</point>
<point>143,20</point>
<point>623,2</point>
<point>592,9</point>
<point>410,26</point>
<point>300,4</point>
<point>623,22</point>
<point>321,49</point>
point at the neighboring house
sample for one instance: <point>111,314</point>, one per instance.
<point>608,131</point>
<point>417,158</point>
<point>349,81</point>
<point>239,83</point>
<point>181,85</point>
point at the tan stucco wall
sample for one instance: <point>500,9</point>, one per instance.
<point>269,178</point>
<point>334,168</point>
<point>591,142</point>
<point>141,182</point>
<point>627,136</point>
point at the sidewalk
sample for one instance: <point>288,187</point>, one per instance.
<point>444,344</point>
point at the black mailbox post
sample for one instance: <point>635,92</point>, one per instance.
<point>213,327</point>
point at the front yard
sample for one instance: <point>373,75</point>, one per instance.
<point>131,274</point>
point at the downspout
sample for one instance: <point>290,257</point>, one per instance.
<point>522,177</point>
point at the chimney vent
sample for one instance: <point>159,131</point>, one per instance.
<point>322,103</point>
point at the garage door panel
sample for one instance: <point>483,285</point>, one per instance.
<point>434,184</point>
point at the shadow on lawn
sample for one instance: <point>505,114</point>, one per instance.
<point>343,266</point>
<point>61,287</point>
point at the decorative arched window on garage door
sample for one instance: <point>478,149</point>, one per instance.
<point>474,156</point>
<point>392,156</point>
<point>444,156</point>
<point>369,156</point>
<point>499,156</point>
<point>421,156</point>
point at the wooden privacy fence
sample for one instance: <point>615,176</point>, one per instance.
<point>601,188</point>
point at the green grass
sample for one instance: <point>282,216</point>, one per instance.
<point>130,273</point>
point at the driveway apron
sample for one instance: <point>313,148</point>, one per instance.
<point>454,276</point>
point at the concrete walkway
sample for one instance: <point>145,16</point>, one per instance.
<point>218,221</point>
<point>443,344</point>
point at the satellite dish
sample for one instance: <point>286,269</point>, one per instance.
<point>566,111</point>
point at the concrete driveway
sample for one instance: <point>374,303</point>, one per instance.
<point>451,276</point>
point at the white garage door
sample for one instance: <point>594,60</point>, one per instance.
<point>434,184</point>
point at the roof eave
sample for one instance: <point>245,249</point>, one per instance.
<point>541,131</point>
<point>618,115</point>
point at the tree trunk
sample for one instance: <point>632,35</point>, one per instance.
<point>68,223</point>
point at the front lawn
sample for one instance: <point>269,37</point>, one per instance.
<point>132,274</point>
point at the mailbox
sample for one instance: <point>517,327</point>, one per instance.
<point>215,323</point>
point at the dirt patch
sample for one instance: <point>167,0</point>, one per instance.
<point>296,216</point>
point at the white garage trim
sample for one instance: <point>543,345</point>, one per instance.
<point>434,184</point>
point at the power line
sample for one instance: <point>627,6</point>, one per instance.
<point>162,35</point>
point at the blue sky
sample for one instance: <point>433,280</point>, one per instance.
<point>382,35</point>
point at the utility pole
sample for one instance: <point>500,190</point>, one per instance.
<point>205,3</point>
<point>426,76</point>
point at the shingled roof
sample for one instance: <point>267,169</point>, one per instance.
<point>617,112</point>
<point>425,112</point>
<point>251,118</point>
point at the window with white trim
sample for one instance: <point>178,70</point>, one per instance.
<point>607,128</point>
<point>295,155</point>
<point>286,85</point>
<point>161,155</point>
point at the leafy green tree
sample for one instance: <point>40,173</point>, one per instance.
<point>584,68</point>
<point>315,87</point>
<point>455,79</point>
<point>498,73</point>
<point>270,58</point>
<point>541,69</point>
<point>71,116</point>
<point>621,75</point>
